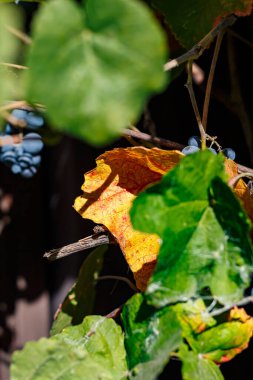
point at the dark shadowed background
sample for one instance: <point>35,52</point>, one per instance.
<point>36,214</point>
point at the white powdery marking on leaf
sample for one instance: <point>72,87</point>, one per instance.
<point>156,286</point>
<point>218,253</point>
<point>137,331</point>
<point>152,337</point>
<point>244,273</point>
<point>93,329</point>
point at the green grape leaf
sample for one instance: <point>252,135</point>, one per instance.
<point>195,367</point>
<point>193,317</point>
<point>218,340</point>
<point>200,249</point>
<point>28,1</point>
<point>222,342</point>
<point>150,336</point>
<point>9,17</point>
<point>191,20</point>
<point>10,81</point>
<point>80,299</point>
<point>93,350</point>
<point>109,60</point>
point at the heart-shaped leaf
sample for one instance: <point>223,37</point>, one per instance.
<point>80,299</point>
<point>95,65</point>
<point>204,232</point>
<point>93,350</point>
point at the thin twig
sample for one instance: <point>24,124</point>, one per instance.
<point>130,140</point>
<point>222,310</point>
<point>92,241</point>
<point>148,123</point>
<point>10,139</point>
<point>13,105</point>
<point>202,45</point>
<point>210,78</point>
<point>214,141</point>
<point>189,87</point>
<point>240,38</point>
<point>120,278</point>
<point>21,104</point>
<point>20,123</point>
<point>244,169</point>
<point>155,140</point>
<point>14,66</point>
<point>22,36</point>
<point>234,180</point>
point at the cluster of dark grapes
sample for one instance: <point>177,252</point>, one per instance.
<point>24,158</point>
<point>194,145</point>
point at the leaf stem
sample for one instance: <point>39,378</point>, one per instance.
<point>189,87</point>
<point>14,66</point>
<point>222,310</point>
<point>115,313</point>
<point>210,78</point>
<point>120,278</point>
<point>22,36</point>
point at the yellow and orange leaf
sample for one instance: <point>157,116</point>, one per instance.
<point>109,191</point>
<point>217,342</point>
<point>240,189</point>
<point>232,337</point>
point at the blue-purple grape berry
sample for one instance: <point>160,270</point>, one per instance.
<point>212,150</point>
<point>34,121</point>
<point>32,143</point>
<point>27,173</point>
<point>229,153</point>
<point>10,130</point>
<point>6,148</point>
<point>16,169</point>
<point>8,157</point>
<point>36,160</point>
<point>25,160</point>
<point>19,114</point>
<point>190,149</point>
<point>33,169</point>
<point>19,150</point>
<point>194,141</point>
